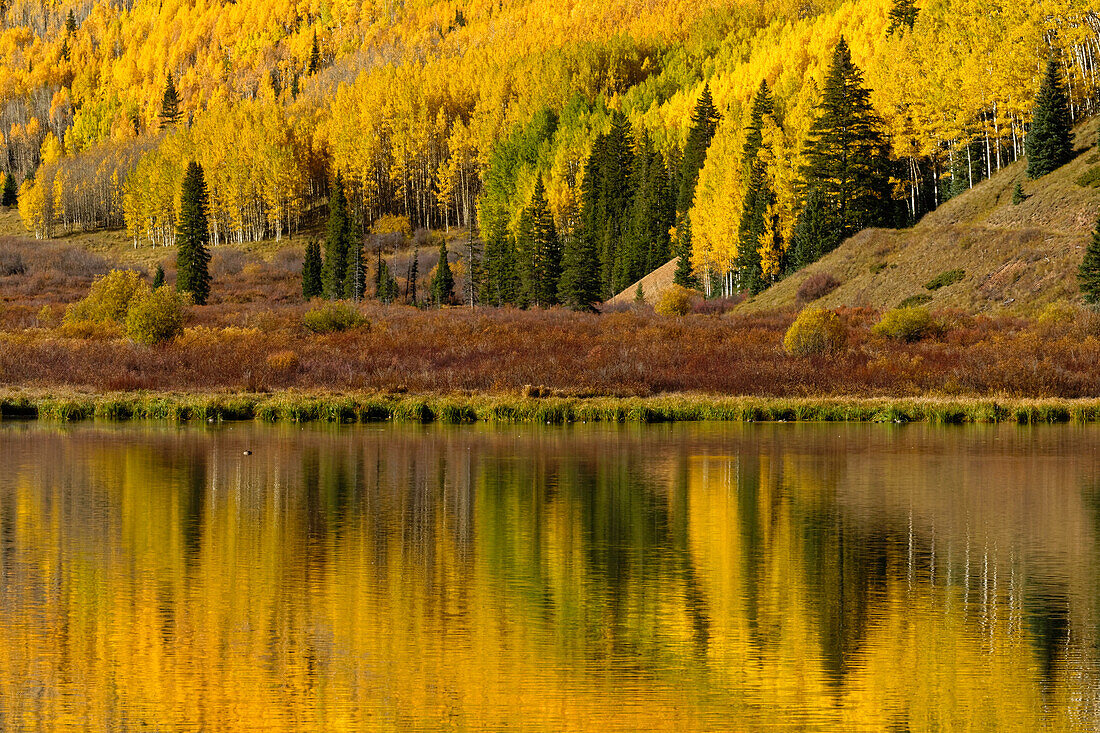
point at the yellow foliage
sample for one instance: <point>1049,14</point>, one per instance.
<point>815,331</point>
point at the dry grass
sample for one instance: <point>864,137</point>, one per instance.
<point>1017,258</point>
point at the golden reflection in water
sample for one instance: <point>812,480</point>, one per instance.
<point>687,578</point>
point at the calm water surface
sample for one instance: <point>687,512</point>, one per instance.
<point>694,577</point>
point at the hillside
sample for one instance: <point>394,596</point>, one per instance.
<point>1015,258</point>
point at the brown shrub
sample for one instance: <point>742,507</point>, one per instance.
<point>816,286</point>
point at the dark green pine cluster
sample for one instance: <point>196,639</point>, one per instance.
<point>704,123</point>
<point>759,196</point>
<point>343,272</point>
<point>847,173</point>
<point>1049,143</point>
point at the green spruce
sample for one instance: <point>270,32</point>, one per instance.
<point>169,104</point>
<point>540,251</point>
<point>759,196</point>
<point>311,272</point>
<point>412,277</point>
<point>314,57</point>
<point>1088,276</point>
<point>847,153</point>
<point>158,277</point>
<point>704,123</point>
<point>337,241</point>
<point>443,282</point>
<point>903,16</point>
<point>10,195</point>
<point>684,275</point>
<point>355,271</point>
<point>1018,196</point>
<point>1049,143</point>
<point>193,236</point>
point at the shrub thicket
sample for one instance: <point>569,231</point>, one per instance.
<point>815,331</point>
<point>156,318</point>
<point>674,301</point>
<point>906,324</point>
<point>333,317</point>
<point>109,298</point>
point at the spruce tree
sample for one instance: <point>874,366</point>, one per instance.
<point>70,23</point>
<point>815,233</point>
<point>704,123</point>
<point>1049,143</point>
<point>759,196</point>
<point>10,195</point>
<point>1089,273</point>
<point>337,241</point>
<point>646,242</point>
<point>615,168</point>
<point>355,270</point>
<point>684,277</point>
<point>411,279</point>
<point>192,236</point>
<point>443,282</point>
<point>1018,196</point>
<point>169,104</point>
<point>158,276</point>
<point>314,56</point>
<point>846,152</point>
<point>540,251</point>
<point>311,272</point>
<point>903,15</point>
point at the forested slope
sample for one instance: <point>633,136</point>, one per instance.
<point>450,111</point>
<point>982,251</point>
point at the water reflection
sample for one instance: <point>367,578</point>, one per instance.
<point>675,578</point>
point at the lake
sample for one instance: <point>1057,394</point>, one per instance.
<point>690,577</point>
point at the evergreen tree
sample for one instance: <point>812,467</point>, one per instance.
<point>540,251</point>
<point>311,272</point>
<point>314,56</point>
<point>684,277</point>
<point>903,14</point>
<point>815,233</point>
<point>294,86</point>
<point>158,276</point>
<point>759,196</point>
<point>646,243</point>
<point>413,276</point>
<point>355,271</point>
<point>169,104</point>
<point>704,123</point>
<point>10,195</point>
<point>846,152</point>
<point>616,166</point>
<point>1049,143</point>
<point>443,282</point>
<point>192,236</point>
<point>70,23</point>
<point>337,241</point>
<point>1089,274</point>
<point>1018,196</point>
<point>639,294</point>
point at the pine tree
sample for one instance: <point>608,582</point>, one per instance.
<point>169,104</point>
<point>1018,196</point>
<point>443,282</point>
<point>314,56</point>
<point>646,243</point>
<point>684,277</point>
<point>355,271</point>
<point>1049,143</point>
<point>704,123</point>
<point>815,233</point>
<point>192,236</point>
<point>639,294</point>
<point>846,152</point>
<point>158,276</point>
<point>337,241</point>
<point>759,196</point>
<point>903,14</point>
<point>579,287</point>
<point>1089,274</point>
<point>10,195</point>
<point>70,23</point>
<point>540,252</point>
<point>311,272</point>
<point>411,279</point>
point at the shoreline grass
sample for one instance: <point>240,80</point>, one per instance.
<point>459,409</point>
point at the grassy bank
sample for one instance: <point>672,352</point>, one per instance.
<point>293,407</point>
